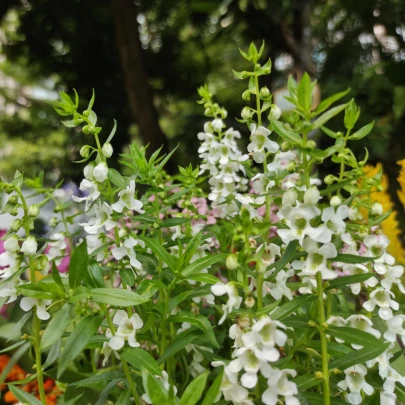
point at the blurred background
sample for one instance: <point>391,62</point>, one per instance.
<point>145,59</point>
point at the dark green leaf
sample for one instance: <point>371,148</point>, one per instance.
<point>353,259</point>
<point>116,296</point>
<point>115,177</point>
<point>210,396</point>
<point>286,134</point>
<point>160,251</point>
<point>24,396</point>
<point>324,104</point>
<point>203,263</point>
<point>347,280</point>
<point>140,358</point>
<point>291,306</point>
<point>353,336</point>
<point>194,390</point>
<point>56,326</point>
<point>180,342</point>
<point>168,223</point>
<point>325,117</point>
<point>78,265</point>
<point>307,381</point>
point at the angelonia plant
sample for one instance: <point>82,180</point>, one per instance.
<point>246,280</point>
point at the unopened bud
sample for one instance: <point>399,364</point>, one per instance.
<point>275,112</point>
<point>85,151</point>
<point>11,245</point>
<point>264,93</point>
<point>33,211</point>
<point>100,172</point>
<point>232,262</point>
<point>246,113</point>
<point>330,179</point>
<point>285,146</point>
<point>53,222</point>
<point>30,246</point>
<point>42,264</point>
<point>107,150</point>
<point>86,129</point>
<point>246,95</point>
<point>311,144</point>
<point>289,197</point>
<point>291,166</point>
<point>13,199</point>
<point>377,209</point>
<point>224,113</point>
<point>16,225</point>
<point>250,302</point>
<point>312,195</point>
<point>335,201</point>
<point>380,188</point>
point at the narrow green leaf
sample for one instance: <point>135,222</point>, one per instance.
<point>123,399</point>
<point>115,177</point>
<point>325,117</point>
<point>116,296</point>
<point>102,376</point>
<point>77,340</point>
<point>168,223</point>
<point>72,401</point>
<point>204,278</point>
<point>15,345</point>
<point>191,248</point>
<point>112,133</point>
<point>102,399</point>
<point>179,343</point>
<point>210,396</point>
<point>140,358</point>
<point>353,336</point>
<point>286,258</point>
<point>358,357</point>
<point>324,104</point>
<point>56,276</point>
<point>196,292</point>
<point>53,354</point>
<point>199,321</point>
<point>286,133</point>
<point>14,359</point>
<point>78,265</point>
<point>291,306</point>
<point>306,381</point>
<point>194,390</point>
<point>347,280</point>
<point>24,396</point>
<point>353,259</point>
<point>57,326</point>
<point>331,133</point>
<point>362,132</point>
<point>160,251</point>
<point>304,93</point>
<point>314,398</point>
<point>203,263</point>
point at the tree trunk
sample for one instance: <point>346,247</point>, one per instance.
<point>135,76</point>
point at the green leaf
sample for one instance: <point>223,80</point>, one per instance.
<point>35,291</point>
<point>78,265</point>
<point>160,251</point>
<point>100,377</point>
<point>56,276</point>
<point>325,117</point>
<point>325,104</point>
<point>199,321</point>
<point>213,391</point>
<point>140,358</point>
<point>353,336</point>
<point>112,133</point>
<point>115,177</point>
<point>347,280</point>
<point>116,296</point>
<point>314,398</point>
<point>128,276</point>
<point>195,292</point>
<point>304,93</point>
<point>155,389</point>
<point>72,401</point>
<point>168,223</point>
<point>358,356</point>
<point>331,133</point>
<point>203,263</point>
<point>57,326</point>
<point>24,396</point>
<point>179,343</point>
<point>7,349</point>
<point>94,276</point>
<point>123,399</point>
<point>291,306</point>
<point>286,133</point>
<point>306,381</point>
<point>353,259</point>
<point>194,390</point>
<point>102,399</point>
<point>192,248</point>
<point>204,278</point>
<point>78,339</point>
<point>286,258</point>
<point>53,354</point>
<point>361,133</point>
<point>69,123</point>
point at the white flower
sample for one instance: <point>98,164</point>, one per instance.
<point>376,246</point>
<point>27,303</point>
<point>333,223</point>
<point>268,257</point>
<point>279,385</point>
<point>234,300</point>
<point>217,125</point>
<point>10,263</point>
<point>337,321</point>
<point>88,171</point>
<point>312,195</point>
<point>335,201</point>
<point>316,259</point>
<point>261,184</point>
<point>392,275</point>
<point>87,185</point>
<point>298,219</point>
<point>9,291</point>
<point>279,289</point>
<point>281,161</point>
<point>289,197</point>
<point>127,200</point>
<point>388,398</point>
<point>100,172</point>
<point>382,298</point>
<point>128,250</point>
<point>355,383</point>
<point>364,324</point>
<point>275,112</point>
<point>395,327</point>
<point>29,246</point>
<point>377,209</point>
<point>107,150</point>
<point>57,245</point>
<point>93,243</point>
<point>354,269</point>
<point>11,244</point>
<point>126,330</point>
<point>247,202</point>
<point>260,143</point>
<point>102,218</point>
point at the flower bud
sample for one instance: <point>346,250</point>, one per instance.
<point>264,93</point>
<point>88,171</point>
<point>377,209</point>
<point>246,95</point>
<point>380,188</point>
<point>29,247</point>
<point>335,201</point>
<point>285,146</point>
<point>42,264</point>
<point>16,225</point>
<point>312,195</point>
<point>100,172</point>
<point>107,150</point>
<point>330,179</point>
<point>275,112</point>
<point>217,124</point>
<point>33,211</point>
<point>289,197</point>
<point>86,129</point>
<point>354,214</point>
<point>311,144</point>
<point>13,200</point>
<point>11,244</point>
<point>291,166</point>
<point>250,302</point>
<point>85,151</point>
<point>232,262</point>
<point>53,222</point>
<point>224,113</point>
<point>246,113</point>
<point>208,112</point>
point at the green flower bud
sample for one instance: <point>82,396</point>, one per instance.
<point>53,222</point>
<point>232,262</point>
<point>33,211</point>
<point>224,113</point>
<point>335,201</point>
<point>16,225</point>
<point>42,264</point>
<point>377,209</point>
<point>246,113</point>
<point>264,93</point>
<point>13,200</point>
<point>291,166</point>
<point>380,188</point>
<point>86,113</point>
<point>285,146</point>
<point>107,150</point>
<point>86,129</point>
<point>85,151</point>
<point>246,95</point>
<point>311,144</point>
<point>250,302</point>
<point>330,179</point>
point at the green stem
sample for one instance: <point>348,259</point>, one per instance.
<point>305,161</point>
<point>324,342</point>
<point>258,109</point>
<point>260,292</point>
